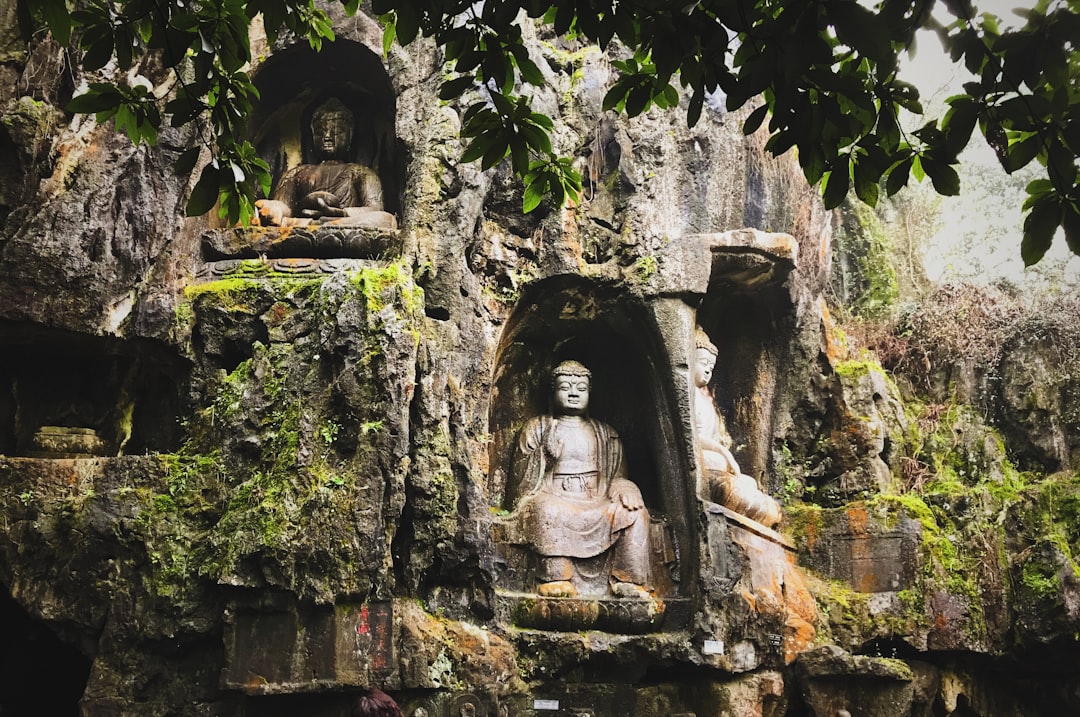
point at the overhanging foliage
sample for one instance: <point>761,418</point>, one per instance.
<point>826,69</point>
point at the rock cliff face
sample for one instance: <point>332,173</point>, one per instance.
<point>253,486</point>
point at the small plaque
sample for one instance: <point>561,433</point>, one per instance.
<point>776,640</point>
<point>552,705</point>
<point>713,647</point>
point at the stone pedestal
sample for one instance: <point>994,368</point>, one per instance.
<point>615,615</point>
<point>329,240</point>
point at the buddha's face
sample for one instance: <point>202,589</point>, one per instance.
<point>703,367</point>
<point>571,395</point>
<point>332,134</point>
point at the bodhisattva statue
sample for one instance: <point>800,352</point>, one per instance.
<point>724,482</point>
<point>576,508</point>
<point>331,189</point>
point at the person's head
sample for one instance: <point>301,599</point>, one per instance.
<point>704,357</point>
<point>331,130</point>
<point>570,383</point>
<point>375,703</point>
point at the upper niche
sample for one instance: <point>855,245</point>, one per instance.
<point>294,82</point>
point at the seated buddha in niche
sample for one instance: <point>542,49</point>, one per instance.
<point>576,508</point>
<point>723,480</point>
<point>332,188</point>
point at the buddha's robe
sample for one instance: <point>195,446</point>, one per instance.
<point>577,515</point>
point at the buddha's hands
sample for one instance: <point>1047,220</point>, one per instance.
<point>321,204</point>
<point>626,494</point>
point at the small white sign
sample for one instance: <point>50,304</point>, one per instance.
<point>546,705</point>
<point>713,647</point>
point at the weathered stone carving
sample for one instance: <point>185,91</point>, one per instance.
<point>722,480</point>
<point>330,188</point>
<point>574,505</point>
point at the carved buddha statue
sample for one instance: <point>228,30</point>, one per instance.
<point>724,481</point>
<point>575,506</point>
<point>332,188</point>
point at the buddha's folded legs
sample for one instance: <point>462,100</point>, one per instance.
<point>631,559</point>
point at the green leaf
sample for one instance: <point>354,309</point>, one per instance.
<point>755,119</point>
<point>205,194</point>
<point>866,183</point>
<point>638,100</point>
<point>498,149</point>
<point>407,25</point>
<point>519,155</point>
<point>534,193</point>
<point>452,89</point>
<point>887,128</point>
<point>945,179</point>
<point>917,168</point>
<point>186,161</point>
<point>670,96</point>
<point>958,124</point>
<point>98,54</point>
<point>98,98</point>
<point>615,96</point>
<point>57,17</point>
<point>693,112</point>
<point>898,177</point>
<point>1021,153</point>
<point>536,138</point>
<point>1070,221</point>
<point>529,71</point>
<point>861,29</point>
<point>1039,228</point>
<point>541,120</point>
<point>477,148</point>
<point>389,32</point>
<point>836,185</point>
<point>812,161</point>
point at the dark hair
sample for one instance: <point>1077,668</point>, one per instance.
<point>375,703</point>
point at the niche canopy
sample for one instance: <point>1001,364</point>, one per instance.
<point>324,123</point>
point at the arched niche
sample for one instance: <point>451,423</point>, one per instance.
<point>64,394</point>
<point>294,81</point>
<point>752,325</point>
<point>616,336</point>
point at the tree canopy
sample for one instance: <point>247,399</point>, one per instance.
<point>826,70</point>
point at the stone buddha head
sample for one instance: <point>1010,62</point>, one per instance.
<point>570,383</point>
<point>705,353</point>
<point>332,131</point>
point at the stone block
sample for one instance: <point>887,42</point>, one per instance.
<point>871,553</point>
<point>298,649</point>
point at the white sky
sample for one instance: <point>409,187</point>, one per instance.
<point>979,232</point>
